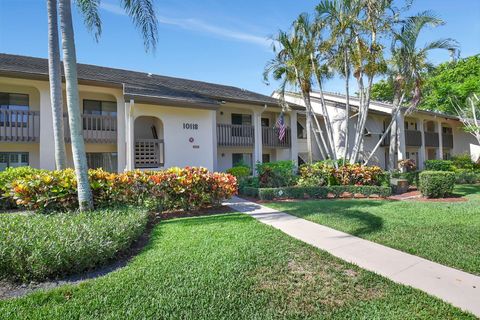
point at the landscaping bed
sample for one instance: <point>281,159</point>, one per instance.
<point>231,267</point>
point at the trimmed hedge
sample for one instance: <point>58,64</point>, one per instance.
<point>439,165</point>
<point>317,192</point>
<point>436,184</point>
<point>467,176</point>
<point>37,247</point>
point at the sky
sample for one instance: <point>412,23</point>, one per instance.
<point>219,41</point>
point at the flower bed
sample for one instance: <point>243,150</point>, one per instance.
<point>322,192</point>
<point>171,189</point>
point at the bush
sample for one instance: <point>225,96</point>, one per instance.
<point>464,161</point>
<point>356,174</point>
<point>276,174</point>
<point>6,178</point>
<point>36,247</point>
<point>315,175</point>
<point>467,176</point>
<point>239,172</point>
<point>322,192</point>
<point>174,188</point>
<point>439,165</point>
<point>411,177</point>
<point>436,184</point>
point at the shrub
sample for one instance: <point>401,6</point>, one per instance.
<point>436,184</point>
<point>36,247</point>
<point>439,165</point>
<point>6,178</point>
<point>239,172</point>
<point>321,192</point>
<point>276,174</point>
<point>464,161</point>
<point>411,177</point>
<point>356,174</point>
<point>467,176</point>
<point>174,188</point>
<point>315,175</point>
<point>407,164</point>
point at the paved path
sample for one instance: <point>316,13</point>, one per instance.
<point>457,287</point>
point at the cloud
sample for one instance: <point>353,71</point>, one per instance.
<point>198,26</point>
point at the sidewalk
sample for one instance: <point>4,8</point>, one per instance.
<point>454,286</point>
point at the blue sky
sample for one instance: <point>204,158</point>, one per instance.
<point>218,41</point>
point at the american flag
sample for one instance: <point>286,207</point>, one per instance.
<point>281,125</point>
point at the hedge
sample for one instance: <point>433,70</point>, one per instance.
<point>436,184</point>
<point>439,165</point>
<point>37,247</point>
<point>317,192</point>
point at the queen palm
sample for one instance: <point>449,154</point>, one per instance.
<point>406,69</point>
<point>143,16</point>
<point>291,65</point>
<point>55,78</point>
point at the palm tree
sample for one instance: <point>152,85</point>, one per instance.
<point>55,77</point>
<point>406,69</point>
<point>291,65</point>
<point>143,15</point>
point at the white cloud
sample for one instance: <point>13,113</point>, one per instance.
<point>198,26</point>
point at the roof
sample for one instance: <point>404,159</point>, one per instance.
<point>139,85</point>
<point>378,107</point>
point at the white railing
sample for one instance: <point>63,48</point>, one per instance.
<point>149,153</point>
<point>19,126</point>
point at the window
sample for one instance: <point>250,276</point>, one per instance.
<point>265,157</point>
<point>265,122</point>
<point>242,158</point>
<point>241,119</point>
<point>99,108</point>
<point>447,155</point>
<point>301,132</point>
<point>14,102</point>
<point>447,130</point>
<point>108,161</point>
<point>13,159</point>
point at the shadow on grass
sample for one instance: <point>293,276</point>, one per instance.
<point>467,189</point>
<point>356,211</point>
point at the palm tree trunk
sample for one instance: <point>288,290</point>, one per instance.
<point>393,136</point>
<point>55,77</point>
<point>347,106</point>
<point>74,119</point>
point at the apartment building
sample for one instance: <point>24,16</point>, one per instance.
<point>424,135</point>
<point>135,120</point>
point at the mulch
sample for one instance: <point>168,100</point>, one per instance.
<point>415,195</point>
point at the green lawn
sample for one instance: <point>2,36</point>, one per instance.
<point>448,233</point>
<point>231,267</point>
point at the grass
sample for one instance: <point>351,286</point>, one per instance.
<point>231,267</point>
<point>447,233</point>
<point>36,246</point>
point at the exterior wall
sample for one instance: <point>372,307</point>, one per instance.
<point>179,151</point>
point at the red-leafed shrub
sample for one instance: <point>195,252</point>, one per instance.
<point>174,188</point>
<point>356,174</point>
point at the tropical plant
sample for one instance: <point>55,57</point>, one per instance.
<point>55,78</point>
<point>143,16</point>
<point>470,116</point>
<point>407,66</point>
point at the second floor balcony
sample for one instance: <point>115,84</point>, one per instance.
<point>19,126</point>
<point>233,135</point>
<point>96,128</point>
<point>413,138</point>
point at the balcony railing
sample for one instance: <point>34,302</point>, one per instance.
<point>234,135</point>
<point>431,139</point>
<point>270,138</point>
<point>19,126</point>
<point>96,128</point>
<point>149,153</point>
<point>413,138</point>
<point>447,141</point>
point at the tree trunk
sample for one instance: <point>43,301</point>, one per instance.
<point>347,106</point>
<point>74,118</point>
<point>392,151</point>
<point>55,77</point>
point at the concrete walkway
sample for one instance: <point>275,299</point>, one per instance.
<point>457,287</point>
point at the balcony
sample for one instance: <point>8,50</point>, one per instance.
<point>447,141</point>
<point>431,139</point>
<point>96,128</point>
<point>235,135</point>
<point>413,138</point>
<point>270,138</point>
<point>19,126</point>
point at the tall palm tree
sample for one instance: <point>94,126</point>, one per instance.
<point>291,65</point>
<point>406,69</point>
<point>143,16</point>
<point>55,77</point>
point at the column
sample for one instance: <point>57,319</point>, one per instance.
<point>130,141</point>
<point>121,134</point>
<point>402,150</point>
<point>440,140</point>
<point>421,153</point>
<point>214,140</point>
<point>257,128</point>
<point>47,145</point>
<point>293,136</point>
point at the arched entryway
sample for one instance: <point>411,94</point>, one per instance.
<point>149,143</point>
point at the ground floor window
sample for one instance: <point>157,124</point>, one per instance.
<point>13,159</point>
<point>106,160</point>
<point>447,155</point>
<point>265,157</point>
<point>242,159</point>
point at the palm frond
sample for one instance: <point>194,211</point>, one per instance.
<point>90,12</point>
<point>142,13</point>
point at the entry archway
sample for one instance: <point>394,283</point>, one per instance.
<point>149,142</point>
